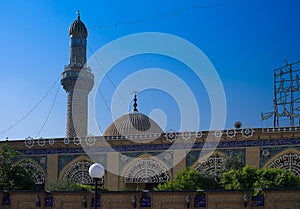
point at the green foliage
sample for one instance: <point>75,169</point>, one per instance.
<point>20,179</point>
<point>249,178</point>
<point>193,180</point>
<point>239,179</point>
<point>212,179</point>
<point>209,181</point>
<point>6,157</point>
<point>189,180</point>
<point>185,180</point>
<point>276,178</point>
<point>231,163</point>
<point>63,185</point>
<point>245,178</point>
<point>13,177</point>
<point>67,185</point>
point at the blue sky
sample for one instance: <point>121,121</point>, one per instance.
<point>244,40</point>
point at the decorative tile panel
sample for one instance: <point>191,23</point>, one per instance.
<point>267,153</point>
<point>161,147</point>
<point>146,170</point>
<point>194,155</point>
<point>126,158</point>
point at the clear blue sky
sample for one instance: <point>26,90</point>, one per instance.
<point>245,40</point>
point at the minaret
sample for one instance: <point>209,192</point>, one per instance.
<point>78,81</point>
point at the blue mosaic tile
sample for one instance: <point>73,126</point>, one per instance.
<point>194,155</point>
<point>40,160</point>
<point>267,153</point>
<point>63,160</point>
<point>126,158</point>
<point>99,158</point>
<point>161,147</point>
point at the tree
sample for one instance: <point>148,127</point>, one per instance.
<point>276,178</point>
<point>209,181</point>
<point>231,163</point>
<point>192,180</point>
<point>189,179</point>
<point>13,177</point>
<point>249,178</point>
<point>185,180</point>
<point>239,179</point>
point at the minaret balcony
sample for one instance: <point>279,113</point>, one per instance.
<point>77,67</point>
<point>75,74</point>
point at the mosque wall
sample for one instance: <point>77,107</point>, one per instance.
<point>130,165</point>
<point>273,199</point>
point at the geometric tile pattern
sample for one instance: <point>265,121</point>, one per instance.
<point>160,147</point>
<point>146,170</point>
<point>79,173</point>
<point>290,161</point>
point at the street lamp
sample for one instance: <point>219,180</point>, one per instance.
<point>96,171</point>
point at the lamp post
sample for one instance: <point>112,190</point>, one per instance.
<point>96,171</point>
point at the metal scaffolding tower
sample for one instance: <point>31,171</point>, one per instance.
<point>286,96</point>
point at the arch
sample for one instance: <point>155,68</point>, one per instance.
<point>77,171</point>
<point>288,159</point>
<point>146,169</point>
<point>34,169</point>
<point>210,163</point>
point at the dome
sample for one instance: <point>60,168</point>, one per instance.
<point>78,28</point>
<point>134,123</point>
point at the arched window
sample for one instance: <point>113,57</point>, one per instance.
<point>78,172</point>
<point>146,170</point>
<point>288,161</point>
<point>36,172</point>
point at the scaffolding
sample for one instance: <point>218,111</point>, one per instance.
<point>286,100</point>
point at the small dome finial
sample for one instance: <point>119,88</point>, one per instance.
<point>78,28</point>
<point>135,102</point>
<point>78,14</point>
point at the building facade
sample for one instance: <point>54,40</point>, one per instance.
<point>133,165</point>
<point>135,152</point>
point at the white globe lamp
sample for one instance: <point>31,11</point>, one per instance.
<point>96,171</point>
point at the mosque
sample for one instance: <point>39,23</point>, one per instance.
<point>134,150</point>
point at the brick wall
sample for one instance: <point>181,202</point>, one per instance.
<point>274,199</point>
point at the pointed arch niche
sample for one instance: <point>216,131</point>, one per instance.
<point>288,159</point>
<point>146,169</point>
<point>77,171</point>
<point>34,169</point>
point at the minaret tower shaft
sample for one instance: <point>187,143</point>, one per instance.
<point>78,81</point>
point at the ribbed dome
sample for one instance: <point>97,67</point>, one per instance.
<point>78,28</point>
<point>133,124</point>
